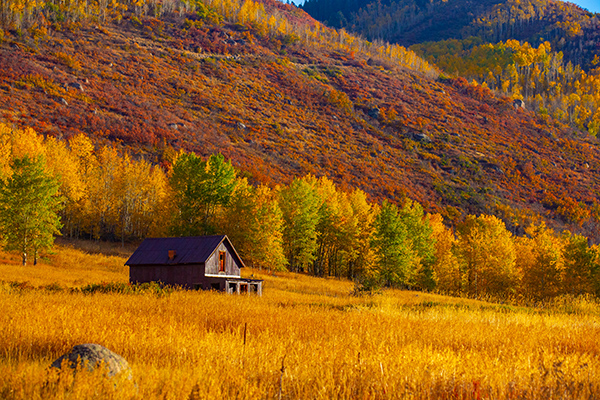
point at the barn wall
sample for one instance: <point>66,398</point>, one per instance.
<point>232,268</point>
<point>175,275</point>
<point>213,283</point>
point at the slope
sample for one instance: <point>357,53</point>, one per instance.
<point>285,100</point>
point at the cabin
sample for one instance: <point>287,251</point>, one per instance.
<point>195,262</point>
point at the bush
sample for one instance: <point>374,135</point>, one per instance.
<point>367,284</point>
<point>126,288</point>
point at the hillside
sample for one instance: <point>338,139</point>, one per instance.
<point>283,97</point>
<point>569,28</point>
<point>542,51</point>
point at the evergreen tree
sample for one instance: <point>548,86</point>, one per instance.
<point>29,203</point>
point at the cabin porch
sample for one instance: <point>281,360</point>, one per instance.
<point>240,286</point>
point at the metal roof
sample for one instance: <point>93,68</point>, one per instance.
<point>188,250</point>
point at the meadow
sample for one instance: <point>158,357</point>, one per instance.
<point>305,338</point>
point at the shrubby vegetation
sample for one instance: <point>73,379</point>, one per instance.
<point>280,105</point>
<point>310,225</point>
<point>40,18</point>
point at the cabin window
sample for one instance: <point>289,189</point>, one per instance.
<point>215,286</point>
<point>221,261</point>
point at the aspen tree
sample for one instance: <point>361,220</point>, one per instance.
<point>487,254</point>
<point>580,265</point>
<point>395,258</point>
<point>200,188</point>
<point>540,260</point>
<point>300,204</point>
<point>254,223</point>
<point>360,259</point>
<point>446,268</point>
<point>29,203</point>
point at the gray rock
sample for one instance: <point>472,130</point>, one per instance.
<point>76,85</point>
<point>91,356</point>
<point>374,112</point>
<point>421,137</point>
<point>518,103</point>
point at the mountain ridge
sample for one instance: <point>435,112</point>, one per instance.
<point>568,27</point>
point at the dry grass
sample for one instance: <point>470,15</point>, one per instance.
<point>65,266</point>
<point>332,345</point>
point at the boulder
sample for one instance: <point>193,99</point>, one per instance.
<point>518,103</point>
<point>374,112</point>
<point>421,137</point>
<point>77,86</point>
<point>92,356</point>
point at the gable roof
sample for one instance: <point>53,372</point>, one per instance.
<point>188,250</point>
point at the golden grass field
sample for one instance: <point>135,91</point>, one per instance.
<point>331,344</point>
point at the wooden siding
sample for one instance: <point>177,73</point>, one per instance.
<point>176,275</point>
<point>232,268</point>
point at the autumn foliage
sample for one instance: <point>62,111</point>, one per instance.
<point>311,225</point>
<point>282,96</point>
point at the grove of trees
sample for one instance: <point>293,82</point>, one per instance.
<point>309,225</point>
<point>550,86</point>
